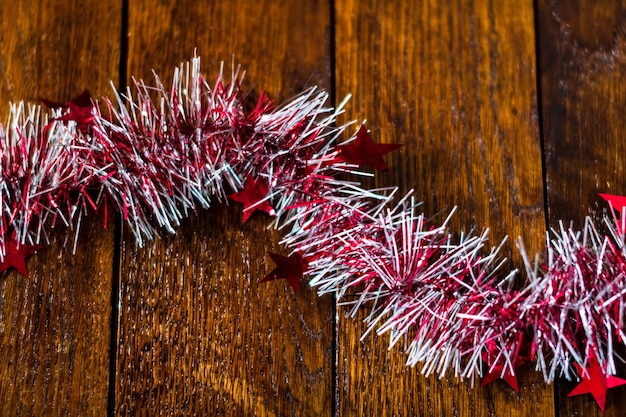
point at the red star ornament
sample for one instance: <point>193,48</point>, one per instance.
<point>494,372</point>
<point>79,110</point>
<point>617,203</point>
<point>83,117</point>
<point>81,100</point>
<point>253,198</point>
<point>595,382</point>
<point>16,255</point>
<point>363,151</point>
<point>290,268</point>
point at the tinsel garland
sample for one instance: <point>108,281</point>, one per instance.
<point>157,154</point>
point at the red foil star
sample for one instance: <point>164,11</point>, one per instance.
<point>364,152</point>
<point>253,192</point>
<point>617,202</point>
<point>78,110</point>
<point>290,268</point>
<point>595,382</point>
<point>81,100</point>
<point>494,373</point>
<point>16,255</point>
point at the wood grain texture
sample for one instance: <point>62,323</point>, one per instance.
<point>454,81</point>
<point>198,335</point>
<point>583,62</point>
<point>582,47</point>
<point>54,327</point>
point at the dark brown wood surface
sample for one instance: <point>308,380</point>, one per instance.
<point>55,326</point>
<point>473,88</point>
<point>193,314</point>
<point>582,58</point>
<point>439,77</point>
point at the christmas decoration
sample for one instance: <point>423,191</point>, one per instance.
<point>364,152</point>
<point>16,254</point>
<point>161,154</point>
<point>290,268</point>
<point>617,202</point>
<point>595,382</point>
<point>497,369</point>
<point>253,197</point>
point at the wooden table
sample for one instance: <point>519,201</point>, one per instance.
<point>514,111</point>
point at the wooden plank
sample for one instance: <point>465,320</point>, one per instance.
<point>582,80</point>
<point>582,60</point>
<point>455,81</point>
<point>198,334</point>
<point>54,327</point>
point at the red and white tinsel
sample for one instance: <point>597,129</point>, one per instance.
<point>160,154</point>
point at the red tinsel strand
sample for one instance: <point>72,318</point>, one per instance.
<point>163,153</point>
<point>576,300</point>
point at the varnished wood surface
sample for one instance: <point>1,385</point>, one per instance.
<point>439,77</point>
<point>193,314</point>
<point>55,326</point>
<point>458,82</point>
<point>582,57</point>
